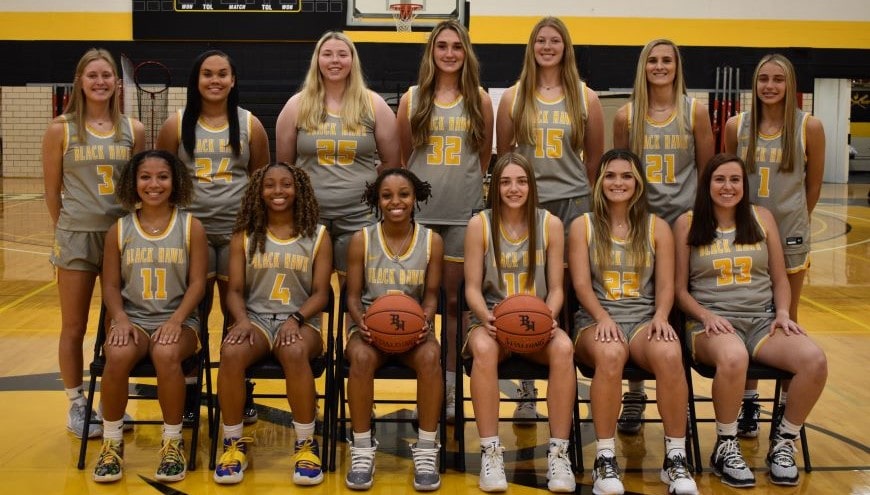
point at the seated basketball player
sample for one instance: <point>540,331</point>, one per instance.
<point>512,248</point>
<point>280,266</point>
<point>394,255</point>
<point>154,271</point>
<point>622,268</point>
<point>732,284</point>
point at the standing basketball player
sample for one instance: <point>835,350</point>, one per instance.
<point>412,255</point>
<point>221,144</point>
<point>445,123</point>
<point>784,150</point>
<point>556,122</point>
<point>280,265</point>
<point>622,268</point>
<point>153,280</point>
<point>83,152</point>
<point>731,282</point>
<point>671,133</point>
<point>515,229</point>
<point>336,129</point>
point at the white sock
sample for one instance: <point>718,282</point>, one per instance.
<point>637,387</point>
<point>303,431</point>
<point>749,394</point>
<point>786,427</point>
<point>233,431</point>
<point>425,439</point>
<point>675,446</point>
<point>726,429</point>
<point>605,447</point>
<point>171,432</point>
<point>76,395</point>
<point>363,439</point>
<point>489,441</point>
<point>557,443</point>
<point>113,430</point>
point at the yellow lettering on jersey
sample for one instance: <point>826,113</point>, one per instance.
<point>265,260</point>
<point>118,152</point>
<point>543,117</point>
<point>140,255</point>
<point>437,123</point>
<point>348,132</point>
<point>326,129</point>
<point>89,152</point>
<point>381,276</point>
<point>742,248</point>
<point>458,124</point>
<point>652,142</point>
<point>775,155</point>
<point>561,117</point>
<point>170,255</point>
<point>412,277</point>
<point>760,154</point>
<point>296,262</point>
<point>205,145</point>
<point>676,142</point>
<point>719,246</point>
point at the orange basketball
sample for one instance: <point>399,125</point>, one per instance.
<point>523,323</point>
<point>395,321</point>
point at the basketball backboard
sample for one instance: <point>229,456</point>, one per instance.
<point>377,14</point>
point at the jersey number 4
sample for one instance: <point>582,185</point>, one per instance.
<point>205,171</point>
<point>279,292</point>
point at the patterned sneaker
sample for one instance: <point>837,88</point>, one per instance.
<point>173,465</point>
<point>233,462</point>
<point>492,477</point>
<point>306,463</point>
<point>677,474</point>
<point>250,415</point>
<point>362,467</point>
<point>605,477</point>
<point>110,465</point>
<point>560,477</point>
<point>75,421</point>
<point>426,477</point>
<point>526,408</point>
<point>632,412</point>
<point>780,459</point>
<point>450,403</point>
<point>727,462</point>
<point>747,420</point>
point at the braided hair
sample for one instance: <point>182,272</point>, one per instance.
<point>253,217</point>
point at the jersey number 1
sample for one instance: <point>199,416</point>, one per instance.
<point>153,283</point>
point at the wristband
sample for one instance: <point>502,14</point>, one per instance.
<point>298,317</point>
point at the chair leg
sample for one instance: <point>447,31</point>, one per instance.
<point>805,449</point>
<point>83,449</point>
<point>693,424</point>
<point>459,421</point>
<point>578,435</point>
<point>216,437</point>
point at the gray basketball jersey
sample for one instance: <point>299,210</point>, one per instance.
<point>390,273</point>
<point>559,170</point>
<point>510,276</point>
<point>626,295</point>
<point>669,162</point>
<point>219,178</point>
<point>153,268</point>
<point>279,280</point>
<point>783,193</point>
<point>340,162</point>
<point>449,164</point>
<point>732,279</point>
<point>90,175</point>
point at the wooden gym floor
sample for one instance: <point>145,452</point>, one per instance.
<point>40,455</point>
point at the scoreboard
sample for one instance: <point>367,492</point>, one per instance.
<point>236,20</point>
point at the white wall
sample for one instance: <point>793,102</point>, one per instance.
<point>831,99</point>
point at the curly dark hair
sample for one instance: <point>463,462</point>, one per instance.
<point>253,220</point>
<point>182,185</point>
<point>422,189</point>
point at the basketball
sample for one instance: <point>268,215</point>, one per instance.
<point>395,321</point>
<point>523,323</point>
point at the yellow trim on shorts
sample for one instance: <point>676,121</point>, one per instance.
<point>797,269</point>
<point>454,259</point>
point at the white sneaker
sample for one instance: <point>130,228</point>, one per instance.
<point>362,467</point>
<point>492,478</point>
<point>559,474</point>
<point>450,403</point>
<point>677,474</point>
<point>526,408</point>
<point>426,477</point>
<point>605,477</point>
<point>76,418</point>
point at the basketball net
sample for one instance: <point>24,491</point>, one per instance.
<point>404,15</point>
<point>153,97</point>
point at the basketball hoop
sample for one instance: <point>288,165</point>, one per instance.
<point>404,15</point>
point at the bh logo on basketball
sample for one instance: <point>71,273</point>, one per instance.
<point>397,322</point>
<point>527,323</point>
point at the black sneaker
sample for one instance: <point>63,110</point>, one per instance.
<point>633,406</point>
<point>250,412</point>
<point>727,463</point>
<point>747,420</point>
<point>780,459</point>
<point>778,414</point>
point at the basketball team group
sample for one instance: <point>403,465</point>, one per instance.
<point>652,232</point>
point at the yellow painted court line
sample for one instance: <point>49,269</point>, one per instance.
<point>27,296</point>
<point>835,312</point>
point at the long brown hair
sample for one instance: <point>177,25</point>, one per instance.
<point>512,158</point>
<point>77,105</point>
<point>788,123</point>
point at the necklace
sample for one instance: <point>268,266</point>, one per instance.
<point>148,228</point>
<point>396,253</point>
<point>548,88</point>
